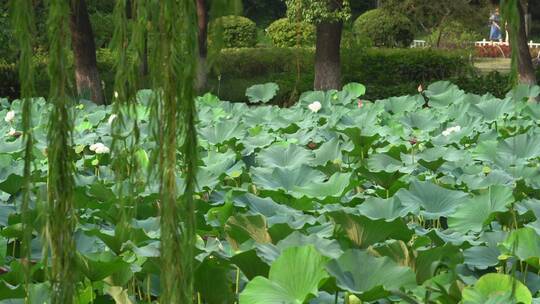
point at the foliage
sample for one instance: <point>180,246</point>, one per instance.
<point>172,126</point>
<point>60,218</point>
<point>384,29</point>
<point>386,72</point>
<point>102,28</point>
<point>264,12</point>
<point>233,31</point>
<point>262,92</point>
<point>6,36</point>
<point>453,35</point>
<point>430,14</point>
<point>317,11</point>
<point>377,185</point>
<point>288,34</point>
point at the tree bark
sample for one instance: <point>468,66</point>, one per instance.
<point>327,56</point>
<point>84,51</point>
<point>202,17</point>
<point>525,66</point>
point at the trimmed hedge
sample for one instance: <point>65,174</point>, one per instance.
<point>285,33</point>
<point>384,29</point>
<point>385,72</point>
<point>233,32</point>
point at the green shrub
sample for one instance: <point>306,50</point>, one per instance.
<point>384,29</point>
<point>285,33</point>
<point>233,32</point>
<point>453,35</point>
<point>9,77</point>
<point>385,72</point>
<point>494,83</point>
<point>103,28</point>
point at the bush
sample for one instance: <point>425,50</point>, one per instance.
<point>103,28</point>
<point>9,77</point>
<point>453,35</point>
<point>385,29</point>
<point>285,33</point>
<point>385,72</point>
<point>233,32</point>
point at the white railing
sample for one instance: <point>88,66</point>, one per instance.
<point>423,43</point>
<point>485,42</point>
<point>419,44</point>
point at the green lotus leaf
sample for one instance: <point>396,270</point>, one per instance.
<point>443,93</point>
<point>523,92</point>
<point>328,248</point>
<point>481,257</point>
<point>402,104</point>
<point>262,92</point>
<point>290,156</point>
<point>493,109</point>
<point>212,282</point>
<point>98,266</point>
<point>364,232</point>
<point>388,209</point>
<point>223,131</point>
<point>478,211</point>
<point>496,288</point>
<point>369,277</point>
<point>295,275</point>
<point>383,162</point>
<point>285,178</point>
<point>523,243</point>
<point>329,151</point>
<point>333,187</point>
<point>433,200</point>
<point>420,120</point>
<point>241,228</point>
<point>274,212</point>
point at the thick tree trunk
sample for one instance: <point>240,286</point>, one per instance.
<point>202,16</point>
<point>525,65</point>
<point>327,56</point>
<point>84,51</point>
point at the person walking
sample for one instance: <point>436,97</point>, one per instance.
<point>495,33</point>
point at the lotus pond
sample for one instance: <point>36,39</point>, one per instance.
<point>432,198</point>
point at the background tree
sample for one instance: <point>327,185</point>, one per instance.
<point>434,15</point>
<point>202,22</point>
<point>84,50</point>
<point>514,15</point>
<point>328,17</point>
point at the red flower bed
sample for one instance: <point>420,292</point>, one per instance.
<point>499,51</point>
<point>493,51</point>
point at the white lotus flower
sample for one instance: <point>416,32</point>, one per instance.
<point>451,130</point>
<point>99,148</point>
<point>315,106</point>
<point>112,118</point>
<point>12,132</point>
<point>10,116</point>
<point>102,149</point>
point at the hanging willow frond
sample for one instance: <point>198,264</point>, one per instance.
<point>60,215</point>
<point>125,129</point>
<point>24,27</point>
<point>174,42</point>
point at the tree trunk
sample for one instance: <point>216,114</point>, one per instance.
<point>84,51</point>
<point>327,56</point>
<point>202,17</point>
<point>525,65</point>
